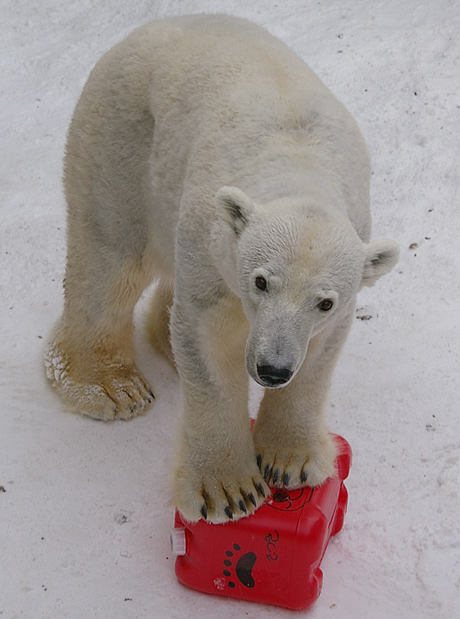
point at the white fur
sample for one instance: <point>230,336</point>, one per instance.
<point>204,152</point>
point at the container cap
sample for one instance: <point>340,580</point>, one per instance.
<point>178,542</point>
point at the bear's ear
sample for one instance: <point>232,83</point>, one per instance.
<point>380,257</point>
<point>234,207</point>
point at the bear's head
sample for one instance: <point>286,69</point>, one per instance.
<point>296,267</point>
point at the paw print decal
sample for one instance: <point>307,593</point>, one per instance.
<point>239,565</point>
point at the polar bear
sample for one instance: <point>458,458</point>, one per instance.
<point>206,154</point>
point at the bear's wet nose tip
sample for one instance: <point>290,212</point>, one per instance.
<point>271,376</point>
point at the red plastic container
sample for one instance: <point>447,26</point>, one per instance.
<point>272,556</point>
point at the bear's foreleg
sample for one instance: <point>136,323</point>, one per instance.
<point>216,475</point>
<point>293,445</point>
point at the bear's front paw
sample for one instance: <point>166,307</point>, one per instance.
<point>218,497</point>
<point>293,464</point>
<point>103,389</point>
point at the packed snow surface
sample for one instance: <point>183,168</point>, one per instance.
<point>84,506</point>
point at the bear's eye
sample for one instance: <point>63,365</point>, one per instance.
<point>261,283</point>
<point>325,305</point>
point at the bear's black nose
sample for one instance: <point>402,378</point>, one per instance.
<point>272,376</point>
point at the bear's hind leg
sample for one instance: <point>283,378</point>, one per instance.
<point>90,357</point>
<point>158,331</point>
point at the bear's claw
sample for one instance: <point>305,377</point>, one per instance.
<point>215,500</point>
<point>260,489</point>
<point>267,472</point>
<point>293,467</point>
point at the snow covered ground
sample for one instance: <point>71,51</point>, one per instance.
<point>84,515</point>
